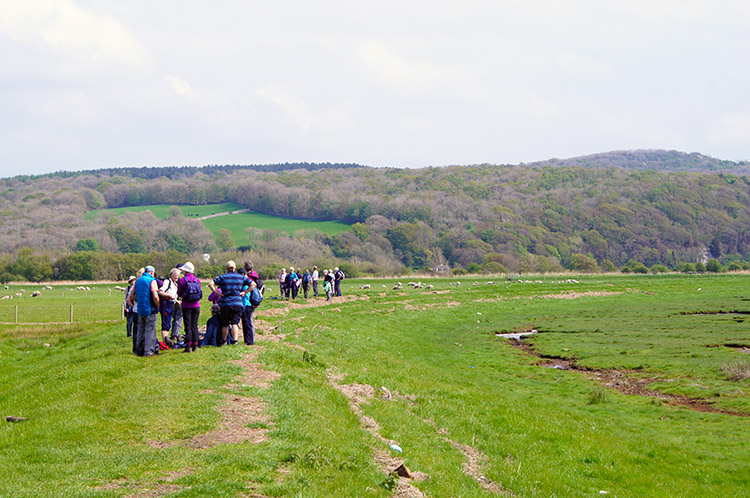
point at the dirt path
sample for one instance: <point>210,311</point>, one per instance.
<point>222,214</point>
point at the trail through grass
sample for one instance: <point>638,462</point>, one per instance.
<point>471,412</point>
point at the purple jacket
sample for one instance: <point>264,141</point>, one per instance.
<point>182,285</point>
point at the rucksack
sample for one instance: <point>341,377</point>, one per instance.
<point>306,278</point>
<point>193,291</point>
<point>256,297</point>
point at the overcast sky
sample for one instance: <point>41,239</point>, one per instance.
<point>88,84</point>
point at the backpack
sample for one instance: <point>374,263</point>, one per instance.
<point>256,297</point>
<point>306,278</point>
<point>193,291</point>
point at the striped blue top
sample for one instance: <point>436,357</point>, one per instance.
<point>231,285</point>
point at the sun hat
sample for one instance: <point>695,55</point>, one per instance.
<point>188,267</point>
<point>150,269</point>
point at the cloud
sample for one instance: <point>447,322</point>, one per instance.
<point>733,129</point>
<point>60,25</point>
<point>180,86</point>
<point>294,107</point>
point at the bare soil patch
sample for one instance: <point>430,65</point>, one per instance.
<point>358,394</point>
<point>625,381</point>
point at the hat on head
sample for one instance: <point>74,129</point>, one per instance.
<point>149,269</point>
<point>231,264</point>
<point>131,277</point>
<point>179,265</point>
<point>188,267</point>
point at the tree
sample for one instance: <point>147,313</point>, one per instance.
<point>583,263</point>
<point>224,239</point>
<point>713,266</point>
<point>87,245</point>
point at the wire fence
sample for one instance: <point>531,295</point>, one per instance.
<point>58,314</point>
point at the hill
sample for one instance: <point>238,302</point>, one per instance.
<point>657,160</point>
<point>483,218</point>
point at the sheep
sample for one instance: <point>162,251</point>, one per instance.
<point>428,287</point>
<point>117,287</point>
<point>48,287</point>
<point>364,286</point>
<point>6,287</point>
<point>6,297</point>
<point>36,294</point>
<point>22,291</point>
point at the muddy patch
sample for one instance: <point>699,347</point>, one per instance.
<point>475,459</point>
<point>160,487</point>
<point>624,381</point>
<point>393,466</point>
<point>239,413</point>
<point>742,348</point>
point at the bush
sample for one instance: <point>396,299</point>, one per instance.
<point>700,267</point>
<point>655,269</point>
<point>737,370</point>
<point>687,268</point>
<point>634,267</point>
<point>492,267</point>
<point>458,271</point>
<point>734,266</point>
<point>713,266</point>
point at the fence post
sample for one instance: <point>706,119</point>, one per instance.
<point>16,319</point>
<point>71,313</point>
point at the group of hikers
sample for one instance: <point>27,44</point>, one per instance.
<point>176,299</point>
<point>235,295</point>
<point>290,283</point>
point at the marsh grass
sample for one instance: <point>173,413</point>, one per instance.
<point>737,370</point>
<point>104,423</point>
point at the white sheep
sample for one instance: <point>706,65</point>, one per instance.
<point>36,294</point>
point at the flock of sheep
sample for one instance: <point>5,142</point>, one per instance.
<point>38,293</point>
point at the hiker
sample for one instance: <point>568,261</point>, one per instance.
<point>338,276</point>
<point>230,286</point>
<point>306,282</point>
<point>315,281</point>
<point>248,327</point>
<point>190,292</point>
<point>176,326</point>
<point>146,293</point>
<point>293,282</point>
<point>130,313</point>
<point>168,297</point>
<point>327,287</point>
<point>282,282</point>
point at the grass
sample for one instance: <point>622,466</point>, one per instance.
<point>736,370</point>
<point>94,410</point>
<point>236,223</point>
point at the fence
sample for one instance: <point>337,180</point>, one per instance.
<point>58,314</point>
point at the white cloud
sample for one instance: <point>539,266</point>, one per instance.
<point>180,86</point>
<point>733,129</point>
<point>65,28</point>
<point>294,107</point>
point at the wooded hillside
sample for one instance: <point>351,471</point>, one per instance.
<point>541,217</point>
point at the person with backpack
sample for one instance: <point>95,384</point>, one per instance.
<point>168,298</point>
<point>231,285</point>
<point>293,280</point>
<point>338,276</point>
<point>145,293</point>
<point>306,279</point>
<point>190,291</point>
<point>327,286</point>
<point>252,299</point>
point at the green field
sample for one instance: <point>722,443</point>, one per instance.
<point>474,414</point>
<point>236,223</point>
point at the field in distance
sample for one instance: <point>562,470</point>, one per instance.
<point>626,386</point>
<point>236,223</point>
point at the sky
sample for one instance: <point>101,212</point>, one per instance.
<point>89,84</point>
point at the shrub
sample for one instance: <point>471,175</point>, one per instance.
<point>700,267</point>
<point>687,268</point>
<point>597,396</point>
<point>659,269</point>
<point>713,266</point>
<point>634,267</point>
<point>734,266</point>
<point>458,271</point>
<point>736,370</point>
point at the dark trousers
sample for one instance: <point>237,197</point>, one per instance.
<point>315,288</point>
<point>248,329</point>
<point>190,318</point>
<point>134,316</point>
<point>131,321</point>
<point>337,287</point>
<point>166,309</point>
<point>306,288</point>
<point>295,290</point>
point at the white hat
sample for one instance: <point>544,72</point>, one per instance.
<point>188,267</point>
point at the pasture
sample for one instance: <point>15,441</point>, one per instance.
<point>620,389</point>
<point>235,223</point>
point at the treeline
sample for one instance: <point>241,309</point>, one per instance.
<point>482,218</point>
<point>173,172</point>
